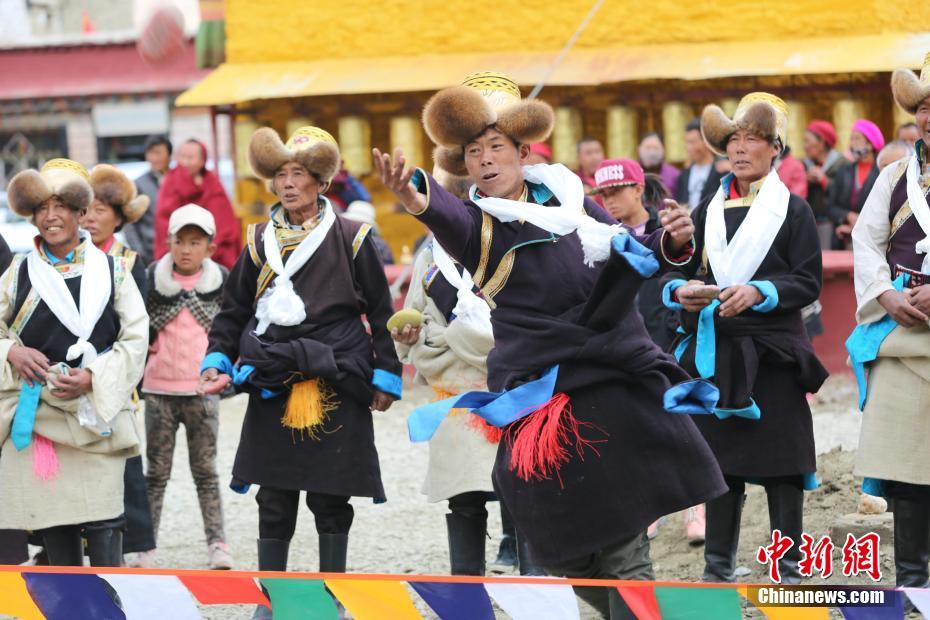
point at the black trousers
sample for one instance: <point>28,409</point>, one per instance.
<point>140,533</point>
<point>507,522</point>
<point>919,493</point>
<point>277,512</point>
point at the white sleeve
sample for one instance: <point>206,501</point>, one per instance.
<point>870,236</point>
<point>117,372</point>
<point>9,380</point>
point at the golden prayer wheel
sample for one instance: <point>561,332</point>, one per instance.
<point>675,117</point>
<point>621,132</point>
<point>798,117</point>
<point>565,136</point>
<point>406,135</point>
<point>355,144</point>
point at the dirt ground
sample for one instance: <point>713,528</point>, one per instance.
<point>407,535</point>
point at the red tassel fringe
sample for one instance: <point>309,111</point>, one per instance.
<point>491,433</point>
<point>540,443</point>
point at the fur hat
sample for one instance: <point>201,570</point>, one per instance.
<point>311,147</point>
<point>112,187</point>
<point>455,116</point>
<point>908,89</point>
<point>66,179</point>
<point>762,114</point>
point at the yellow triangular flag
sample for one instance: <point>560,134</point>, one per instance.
<point>15,599</point>
<point>374,600</point>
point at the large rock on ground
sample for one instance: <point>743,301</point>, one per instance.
<point>859,524</point>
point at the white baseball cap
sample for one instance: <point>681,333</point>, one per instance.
<point>360,211</point>
<point>192,215</point>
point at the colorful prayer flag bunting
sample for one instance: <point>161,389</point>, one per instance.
<point>40,593</point>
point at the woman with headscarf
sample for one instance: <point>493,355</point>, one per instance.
<point>190,182</point>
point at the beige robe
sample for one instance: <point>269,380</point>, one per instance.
<point>89,482</point>
<point>451,359</point>
<point>895,433</point>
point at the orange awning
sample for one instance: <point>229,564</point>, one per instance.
<point>238,83</point>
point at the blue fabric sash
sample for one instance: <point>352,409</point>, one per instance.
<point>865,341</point>
<point>25,417</point>
<point>503,408</point>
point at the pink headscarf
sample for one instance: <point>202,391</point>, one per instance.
<point>871,132</point>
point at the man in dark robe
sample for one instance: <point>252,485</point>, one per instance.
<point>566,329</point>
<point>760,265</point>
<point>292,316</point>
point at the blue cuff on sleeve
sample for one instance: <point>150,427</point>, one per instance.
<point>691,397</point>
<point>219,361</point>
<point>768,291</point>
<point>667,291</point>
<point>419,180</point>
<point>640,258</point>
<point>388,382</point>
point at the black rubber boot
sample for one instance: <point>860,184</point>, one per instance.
<point>272,556</point>
<point>721,538</point>
<point>333,551</point>
<point>105,546</point>
<point>786,513</point>
<point>64,545</point>
<point>527,566</point>
<point>466,544</point>
<point>506,555</point>
<point>911,544</point>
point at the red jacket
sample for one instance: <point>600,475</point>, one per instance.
<point>179,189</point>
<point>792,174</point>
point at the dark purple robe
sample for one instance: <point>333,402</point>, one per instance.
<point>765,356</point>
<point>901,244</point>
<point>331,344</point>
<point>643,462</point>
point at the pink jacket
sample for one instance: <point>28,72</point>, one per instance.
<point>792,174</point>
<point>175,355</point>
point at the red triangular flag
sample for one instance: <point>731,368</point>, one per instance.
<point>642,602</point>
<point>225,590</point>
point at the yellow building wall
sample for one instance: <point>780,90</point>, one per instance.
<point>300,30</point>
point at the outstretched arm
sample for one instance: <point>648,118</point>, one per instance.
<point>454,223</point>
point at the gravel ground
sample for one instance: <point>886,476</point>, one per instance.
<point>407,535</point>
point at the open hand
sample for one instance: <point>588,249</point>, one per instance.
<point>396,177</point>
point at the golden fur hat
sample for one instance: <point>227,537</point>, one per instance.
<point>311,147</point>
<point>64,178</point>
<point>908,89</point>
<point>762,114</point>
<point>112,187</point>
<point>454,116</point>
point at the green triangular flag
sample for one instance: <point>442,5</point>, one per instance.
<point>698,603</point>
<point>298,599</point>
